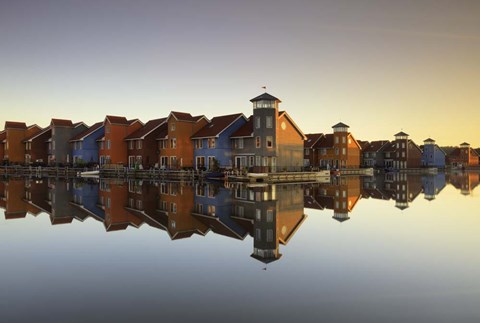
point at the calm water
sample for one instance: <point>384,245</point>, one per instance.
<point>384,249</point>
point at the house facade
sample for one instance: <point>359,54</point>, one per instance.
<point>402,153</point>
<point>243,147</point>
<point>373,154</point>
<point>84,145</point>
<point>59,150</point>
<point>36,147</point>
<point>13,146</point>
<point>432,154</point>
<point>212,143</point>
<point>113,148</point>
<point>339,150</point>
<point>463,156</point>
<point>311,149</point>
<point>175,146</point>
<point>277,140</point>
<point>142,144</point>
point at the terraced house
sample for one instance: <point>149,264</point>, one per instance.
<point>463,156</point>
<point>432,155</point>
<point>36,146</point>
<point>59,150</point>
<point>84,145</point>
<point>14,135</point>
<point>142,144</point>
<point>402,153</point>
<point>113,148</point>
<point>339,150</point>
<point>373,153</point>
<point>212,143</point>
<point>175,145</point>
<point>274,143</point>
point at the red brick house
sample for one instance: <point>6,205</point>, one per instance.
<point>13,146</point>
<point>402,153</point>
<point>339,150</point>
<point>113,147</point>
<point>463,156</point>
<point>142,144</point>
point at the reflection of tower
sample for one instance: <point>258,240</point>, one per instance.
<point>401,191</point>
<point>271,213</point>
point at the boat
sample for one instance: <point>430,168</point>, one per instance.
<point>93,173</point>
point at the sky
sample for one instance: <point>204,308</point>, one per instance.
<point>379,66</point>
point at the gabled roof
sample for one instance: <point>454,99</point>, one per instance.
<point>376,146</point>
<point>183,116</point>
<point>244,131</point>
<point>429,139</point>
<point>117,120</point>
<point>77,124</point>
<point>265,96</point>
<point>217,125</point>
<point>61,123</point>
<point>312,139</point>
<point>284,113</point>
<point>363,144</point>
<point>148,128</point>
<point>15,125</point>
<point>43,131</point>
<point>82,135</point>
<point>163,134</point>
<point>465,144</point>
<point>402,134</point>
<point>326,141</point>
<point>340,125</point>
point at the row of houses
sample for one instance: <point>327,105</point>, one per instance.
<point>340,150</point>
<point>267,141</point>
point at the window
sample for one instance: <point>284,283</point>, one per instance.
<point>258,234</point>
<point>107,129</point>
<point>257,161</point>
<point>211,210</point>
<point>269,215</point>
<point>172,127</point>
<point>258,142</point>
<point>211,142</point>
<point>403,154</point>
<point>108,144</point>
<point>162,144</point>
<point>173,143</point>
<point>239,143</point>
<point>173,161</point>
<point>258,214</point>
<point>307,152</point>
<point>251,161</point>
<point>257,122</point>
<point>336,151</point>
<point>269,122</point>
<point>139,144</point>
<point>130,144</point>
<point>211,162</point>
<point>199,143</point>
<point>403,145</point>
<point>269,235</point>
<point>336,140</point>
<point>102,146</point>
<point>269,141</point>
<point>344,151</point>
<point>173,207</point>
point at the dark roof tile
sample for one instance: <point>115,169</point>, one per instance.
<point>146,129</point>
<point>217,125</point>
<point>87,132</point>
<point>244,131</point>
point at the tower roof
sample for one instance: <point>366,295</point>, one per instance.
<point>429,139</point>
<point>265,96</point>
<point>401,134</point>
<point>340,125</point>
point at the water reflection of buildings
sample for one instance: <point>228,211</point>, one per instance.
<point>270,214</point>
<point>340,195</point>
<point>466,182</point>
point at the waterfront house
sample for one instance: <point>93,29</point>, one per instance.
<point>432,154</point>
<point>175,145</point>
<point>339,150</point>
<point>433,185</point>
<point>311,149</point>
<point>373,153</point>
<point>59,150</point>
<point>84,145</point>
<point>271,140</point>
<point>402,188</point>
<point>402,153</point>
<point>36,147</point>
<point>112,146</point>
<point>142,144</point>
<point>3,135</point>
<point>212,143</point>
<point>13,146</point>
<point>463,156</point>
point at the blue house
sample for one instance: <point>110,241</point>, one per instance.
<point>84,145</point>
<point>432,155</point>
<point>212,143</point>
<point>213,207</point>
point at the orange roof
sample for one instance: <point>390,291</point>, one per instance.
<point>15,125</point>
<point>61,123</point>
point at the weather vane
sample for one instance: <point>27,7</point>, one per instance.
<point>265,88</point>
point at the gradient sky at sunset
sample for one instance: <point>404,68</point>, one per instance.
<point>379,66</point>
